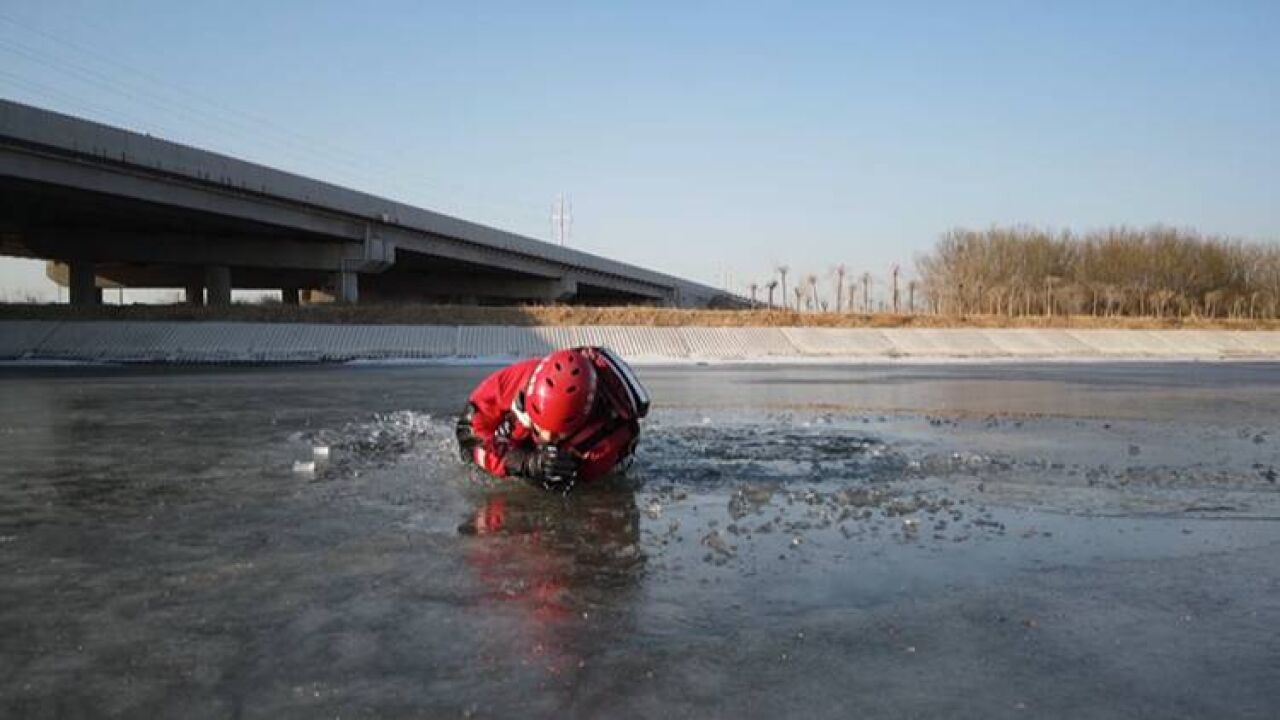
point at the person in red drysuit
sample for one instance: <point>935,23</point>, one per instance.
<point>568,417</point>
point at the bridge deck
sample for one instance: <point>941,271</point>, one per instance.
<point>136,210</point>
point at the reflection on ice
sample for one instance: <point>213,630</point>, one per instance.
<point>553,568</point>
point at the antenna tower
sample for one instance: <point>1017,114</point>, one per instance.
<point>561,219</point>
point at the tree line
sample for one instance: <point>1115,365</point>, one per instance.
<point>838,290</point>
<point>1155,272</point>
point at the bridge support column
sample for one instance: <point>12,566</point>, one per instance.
<point>194,292</point>
<point>562,290</point>
<point>218,279</point>
<point>84,284</point>
<point>289,296</point>
<point>347,283</point>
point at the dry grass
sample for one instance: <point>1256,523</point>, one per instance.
<point>577,315</point>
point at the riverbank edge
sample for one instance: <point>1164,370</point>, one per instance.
<point>94,341</point>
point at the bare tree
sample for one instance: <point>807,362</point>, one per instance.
<point>754,286</point>
<point>1160,300</point>
<point>812,281</point>
<point>866,292</point>
<point>782,272</point>
<point>895,289</point>
<point>771,286</point>
<point>839,272</point>
<point>1213,300</point>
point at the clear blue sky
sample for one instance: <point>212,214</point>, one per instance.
<point>694,137</point>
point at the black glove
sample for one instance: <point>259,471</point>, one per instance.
<point>547,464</point>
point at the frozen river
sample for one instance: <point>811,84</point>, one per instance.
<point>1064,540</point>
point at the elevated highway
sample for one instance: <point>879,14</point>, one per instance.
<point>119,208</point>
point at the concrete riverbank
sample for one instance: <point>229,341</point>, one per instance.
<point>227,342</point>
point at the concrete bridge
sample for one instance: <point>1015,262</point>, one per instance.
<point>117,208</point>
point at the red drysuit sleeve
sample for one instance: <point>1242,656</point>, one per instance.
<point>487,430</point>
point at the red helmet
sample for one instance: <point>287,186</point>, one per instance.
<point>560,392</point>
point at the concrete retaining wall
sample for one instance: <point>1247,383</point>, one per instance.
<point>219,342</point>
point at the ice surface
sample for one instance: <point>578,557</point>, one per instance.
<point>791,541</point>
